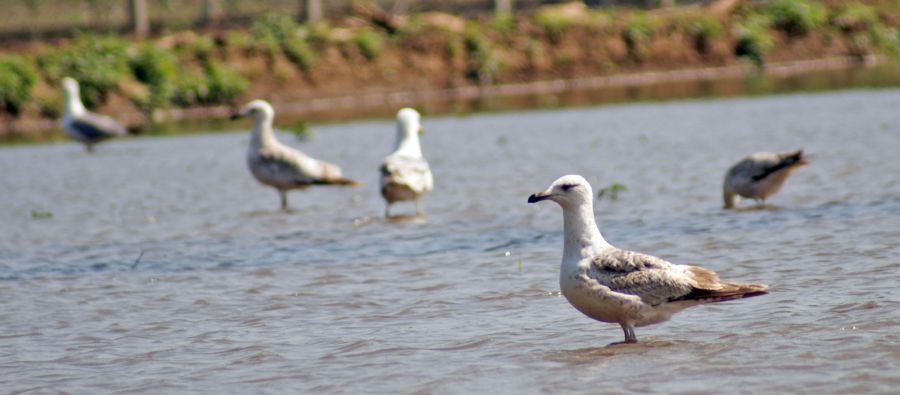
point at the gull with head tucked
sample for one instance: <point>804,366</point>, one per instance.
<point>759,176</point>
<point>82,125</point>
<point>279,166</point>
<point>625,287</point>
<point>405,174</point>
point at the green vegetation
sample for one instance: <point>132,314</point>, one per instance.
<point>97,62</point>
<point>38,214</point>
<point>158,70</point>
<point>482,63</point>
<point>637,33</point>
<point>215,85</point>
<point>797,17</point>
<point>611,191</point>
<point>17,78</point>
<point>281,32</point>
<point>368,42</point>
<point>855,17</point>
<point>703,30</point>
<point>754,39</point>
<point>183,68</point>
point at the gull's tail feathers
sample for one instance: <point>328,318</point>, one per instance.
<point>709,289</point>
<point>338,181</point>
<point>795,158</point>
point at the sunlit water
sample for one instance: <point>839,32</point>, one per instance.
<point>159,265</point>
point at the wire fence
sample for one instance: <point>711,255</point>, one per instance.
<point>52,18</point>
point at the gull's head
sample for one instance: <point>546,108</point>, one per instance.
<point>70,87</point>
<point>409,122</point>
<point>567,191</point>
<point>259,109</point>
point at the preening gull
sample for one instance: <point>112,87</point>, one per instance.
<point>279,166</point>
<point>82,125</point>
<point>759,176</point>
<point>405,174</point>
<point>625,287</point>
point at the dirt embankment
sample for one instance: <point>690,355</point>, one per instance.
<point>373,54</point>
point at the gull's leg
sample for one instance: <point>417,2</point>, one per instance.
<point>387,210</point>
<point>630,337</point>
<point>284,203</point>
<point>419,211</point>
<point>89,148</point>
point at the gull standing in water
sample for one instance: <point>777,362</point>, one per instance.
<point>405,174</point>
<point>279,166</point>
<point>82,125</point>
<point>625,287</point>
<point>759,176</point>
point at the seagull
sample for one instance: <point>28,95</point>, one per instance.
<point>625,287</point>
<point>759,176</point>
<point>405,174</point>
<point>279,166</point>
<point>82,125</point>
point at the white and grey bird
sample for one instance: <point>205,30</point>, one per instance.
<point>405,174</point>
<point>279,166</point>
<point>759,176</point>
<point>82,125</point>
<point>625,287</point>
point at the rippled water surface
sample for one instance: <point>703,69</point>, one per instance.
<point>159,265</point>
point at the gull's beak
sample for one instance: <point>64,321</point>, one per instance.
<point>421,131</point>
<point>235,116</point>
<point>537,197</point>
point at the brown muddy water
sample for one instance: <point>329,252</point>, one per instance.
<point>158,265</point>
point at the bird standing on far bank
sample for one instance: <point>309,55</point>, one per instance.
<point>625,287</point>
<point>405,174</point>
<point>759,176</point>
<point>279,166</point>
<point>82,125</point>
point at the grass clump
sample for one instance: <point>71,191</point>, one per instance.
<point>754,39</point>
<point>855,17</point>
<point>156,68</point>
<point>611,191</point>
<point>637,33</point>
<point>17,78</point>
<point>482,63</point>
<point>368,42</point>
<point>97,62</point>
<point>703,30</point>
<point>217,84</point>
<point>276,33</point>
<point>797,17</point>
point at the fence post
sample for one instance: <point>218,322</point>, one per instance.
<point>137,10</point>
<point>503,7</point>
<point>313,10</point>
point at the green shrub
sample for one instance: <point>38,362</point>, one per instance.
<point>281,32</point>
<point>754,39</point>
<point>216,85</point>
<point>637,33</point>
<point>854,17</point>
<point>797,17</point>
<point>554,23</point>
<point>17,78</point>
<point>369,43</point>
<point>96,62</point>
<point>158,69</point>
<point>225,84</point>
<point>482,64</point>
<point>703,29</point>
<point>299,52</point>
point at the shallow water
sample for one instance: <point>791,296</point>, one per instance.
<point>159,265</point>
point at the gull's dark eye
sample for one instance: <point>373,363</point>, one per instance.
<point>567,187</point>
